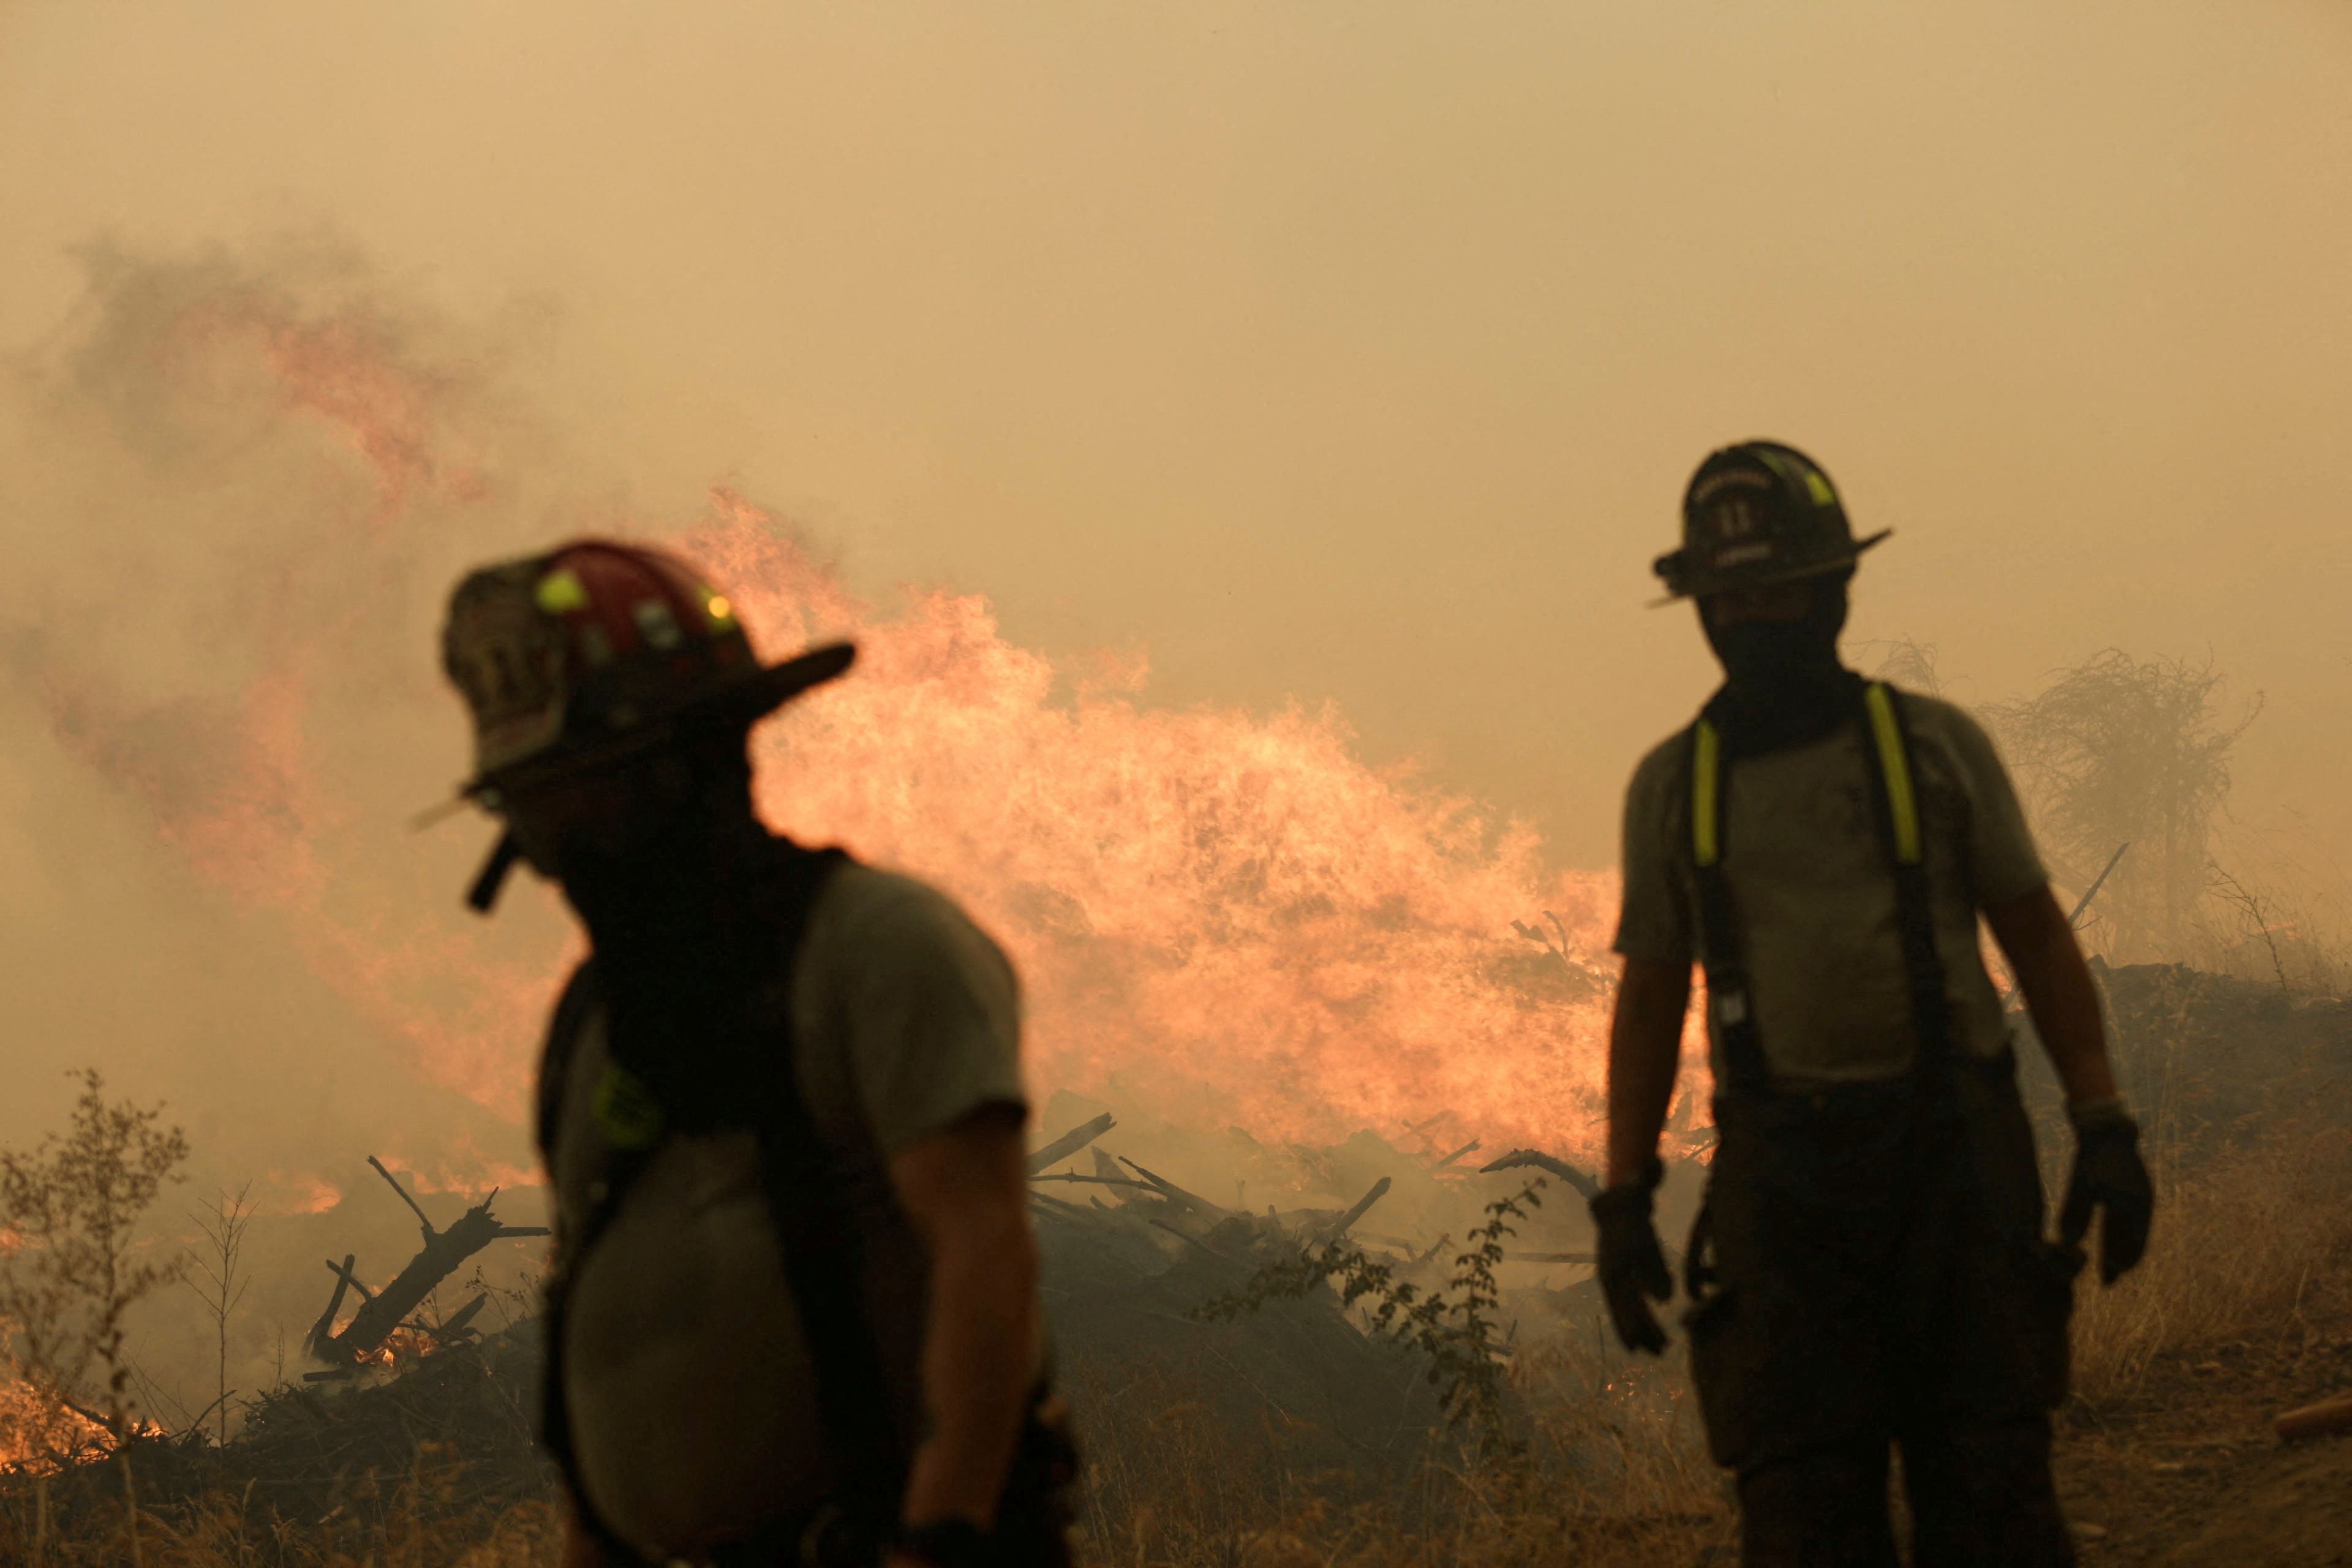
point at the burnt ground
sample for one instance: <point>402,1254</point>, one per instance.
<point>2186,1471</point>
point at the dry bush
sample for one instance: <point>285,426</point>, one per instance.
<point>2253,1241</point>
<point>72,1265</point>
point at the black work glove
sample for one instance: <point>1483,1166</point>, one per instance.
<point>2108,1176</point>
<point>1629,1260</point>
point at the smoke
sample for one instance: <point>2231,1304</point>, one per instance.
<point>244,483</point>
<point>235,487</point>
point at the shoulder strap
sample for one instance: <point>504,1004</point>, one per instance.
<point>1895,799</point>
<point>823,1253</point>
<point>1728,997</point>
<point>555,1057</point>
<point>1896,795</point>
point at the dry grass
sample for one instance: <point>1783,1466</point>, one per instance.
<point>1614,1473</point>
<point>2253,1245</point>
<point>400,1522</point>
<point>2253,1241</point>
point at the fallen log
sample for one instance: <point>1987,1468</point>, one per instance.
<point>2315,1420</point>
<point>1169,1189</point>
<point>382,1311</point>
<point>1095,1181</point>
<point>1340,1227</point>
<point>1070,1142</point>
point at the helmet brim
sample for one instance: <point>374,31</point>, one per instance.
<point>1698,588</point>
<point>745,701</point>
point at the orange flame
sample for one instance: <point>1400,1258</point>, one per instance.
<point>1226,916</point>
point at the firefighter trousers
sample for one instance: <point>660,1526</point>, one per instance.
<point>1870,1273</point>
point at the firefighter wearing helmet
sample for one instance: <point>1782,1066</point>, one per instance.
<point>794,1314</point>
<point>1869,1269</point>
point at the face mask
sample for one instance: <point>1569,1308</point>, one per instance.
<point>1783,683</point>
<point>1764,656</point>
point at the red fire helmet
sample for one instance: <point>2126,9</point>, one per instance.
<point>595,652</point>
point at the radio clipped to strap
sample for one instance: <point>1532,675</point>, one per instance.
<point>1897,798</point>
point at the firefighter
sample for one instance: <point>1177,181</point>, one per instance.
<point>794,1316</point>
<point>1869,1269</point>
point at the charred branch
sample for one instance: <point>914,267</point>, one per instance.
<point>1069,1143</point>
<point>382,1311</point>
<point>1520,1159</point>
<point>1169,1189</point>
<point>1345,1222</point>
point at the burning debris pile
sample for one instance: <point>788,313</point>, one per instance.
<point>452,1435</point>
<point>407,1399</point>
<point>417,1410</point>
<point>384,1312</point>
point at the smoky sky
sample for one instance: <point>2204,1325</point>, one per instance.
<point>1331,352</point>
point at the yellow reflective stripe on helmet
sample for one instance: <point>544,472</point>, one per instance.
<point>1707,773</point>
<point>559,592</point>
<point>1902,803</point>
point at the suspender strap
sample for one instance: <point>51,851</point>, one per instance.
<point>1728,997</point>
<point>1896,798</point>
<point>824,1257</point>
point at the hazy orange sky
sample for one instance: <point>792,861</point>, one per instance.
<point>1354,351</point>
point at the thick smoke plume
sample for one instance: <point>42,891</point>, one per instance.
<point>239,492</point>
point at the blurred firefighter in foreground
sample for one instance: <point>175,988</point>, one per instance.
<point>1869,1268</point>
<point>794,1315</point>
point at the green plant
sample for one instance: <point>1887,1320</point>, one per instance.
<point>1456,1327</point>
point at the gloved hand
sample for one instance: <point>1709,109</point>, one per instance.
<point>1629,1260</point>
<point>2108,1176</point>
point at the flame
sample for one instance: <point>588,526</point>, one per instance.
<point>1226,916</point>
<point>36,1428</point>
<point>296,1192</point>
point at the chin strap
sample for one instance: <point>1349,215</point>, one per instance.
<point>483,894</point>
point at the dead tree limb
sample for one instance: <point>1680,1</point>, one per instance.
<point>1345,1222</point>
<point>1518,1159</point>
<point>413,1204</point>
<point>382,1311</point>
<point>1069,1143</point>
<point>1471,1147</point>
<point>1171,1190</point>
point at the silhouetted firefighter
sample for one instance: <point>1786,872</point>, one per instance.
<point>1869,1268</point>
<point>794,1313</point>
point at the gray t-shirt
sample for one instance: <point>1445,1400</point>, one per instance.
<point>691,1397</point>
<point>1815,892</point>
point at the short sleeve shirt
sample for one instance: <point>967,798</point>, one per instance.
<point>1814,895</point>
<point>691,1398</point>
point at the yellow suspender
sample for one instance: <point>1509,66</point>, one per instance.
<point>1900,803</point>
<point>1707,775</point>
<point>1893,763</point>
